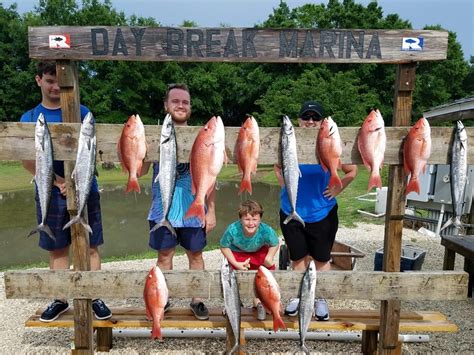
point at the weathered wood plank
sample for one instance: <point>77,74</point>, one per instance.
<point>182,318</point>
<point>17,142</point>
<point>436,285</point>
<point>236,44</point>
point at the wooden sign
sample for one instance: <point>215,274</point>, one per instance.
<point>237,44</point>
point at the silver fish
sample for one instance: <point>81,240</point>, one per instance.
<point>167,174</point>
<point>289,166</point>
<point>44,173</point>
<point>458,175</point>
<point>83,172</point>
<point>306,305</point>
<point>232,304</point>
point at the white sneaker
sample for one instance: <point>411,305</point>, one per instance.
<point>321,309</point>
<point>291,308</point>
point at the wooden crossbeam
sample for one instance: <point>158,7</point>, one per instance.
<point>17,143</point>
<point>372,285</point>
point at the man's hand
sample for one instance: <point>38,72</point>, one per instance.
<point>210,221</point>
<point>60,183</point>
<point>279,176</point>
<point>332,192</point>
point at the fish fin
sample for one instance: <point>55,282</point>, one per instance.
<point>139,168</point>
<point>45,228</point>
<point>374,181</point>
<point>148,314</point>
<point>74,220</point>
<point>164,223</point>
<point>89,144</point>
<point>294,215</point>
<point>335,180</point>
<point>96,173</point>
<point>246,184</point>
<point>196,209</point>
<point>325,168</point>
<point>413,186</point>
<point>133,185</point>
<point>278,323</point>
<point>33,179</point>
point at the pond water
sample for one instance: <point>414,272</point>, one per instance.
<point>124,218</point>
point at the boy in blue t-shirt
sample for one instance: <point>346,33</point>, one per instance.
<point>248,243</point>
<point>58,215</point>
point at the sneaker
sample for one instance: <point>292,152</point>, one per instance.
<point>100,310</point>
<point>291,308</point>
<point>167,306</point>
<point>261,313</point>
<point>321,309</point>
<point>54,310</point>
<point>200,310</point>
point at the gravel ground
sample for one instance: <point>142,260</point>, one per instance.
<point>16,339</point>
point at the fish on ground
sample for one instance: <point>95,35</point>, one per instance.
<point>44,173</point>
<point>247,151</point>
<point>416,152</point>
<point>288,160</point>
<point>268,292</point>
<point>155,296</point>
<point>306,306</point>
<point>131,149</point>
<point>232,304</point>
<point>206,160</point>
<point>329,150</point>
<point>458,174</point>
<point>371,142</point>
<point>83,173</point>
<point>167,173</point>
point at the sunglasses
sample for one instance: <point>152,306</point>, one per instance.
<point>311,115</point>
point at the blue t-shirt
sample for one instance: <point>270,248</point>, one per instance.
<point>235,239</point>
<point>182,199</point>
<point>311,204</point>
<point>55,116</point>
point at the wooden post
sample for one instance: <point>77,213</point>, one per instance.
<point>390,310</point>
<point>66,72</point>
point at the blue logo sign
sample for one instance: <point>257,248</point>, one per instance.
<point>412,44</point>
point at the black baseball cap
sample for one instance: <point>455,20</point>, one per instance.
<point>314,106</point>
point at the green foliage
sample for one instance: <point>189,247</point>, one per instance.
<point>113,90</point>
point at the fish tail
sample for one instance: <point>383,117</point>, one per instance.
<point>413,186</point>
<point>246,184</point>
<point>304,348</point>
<point>446,224</point>
<point>234,349</point>
<point>294,215</point>
<point>164,223</point>
<point>133,184</point>
<point>45,228</point>
<point>86,225</point>
<point>278,324</point>
<point>156,331</point>
<point>196,209</point>
<point>335,180</point>
<point>375,180</point>
<point>74,220</point>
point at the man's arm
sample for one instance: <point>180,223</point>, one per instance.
<point>270,255</point>
<point>59,182</point>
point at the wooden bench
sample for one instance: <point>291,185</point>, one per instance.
<point>463,245</point>
<point>366,321</point>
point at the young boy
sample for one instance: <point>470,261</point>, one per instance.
<point>249,243</point>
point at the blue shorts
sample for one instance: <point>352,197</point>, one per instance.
<point>58,216</point>
<point>190,238</point>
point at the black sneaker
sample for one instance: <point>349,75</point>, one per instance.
<point>100,310</point>
<point>200,310</point>
<point>54,310</point>
<point>167,306</point>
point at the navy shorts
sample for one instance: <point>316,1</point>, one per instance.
<point>190,238</point>
<point>314,239</point>
<point>58,216</point>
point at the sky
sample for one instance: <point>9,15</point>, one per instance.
<point>453,15</point>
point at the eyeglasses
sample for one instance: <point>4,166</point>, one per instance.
<point>311,115</point>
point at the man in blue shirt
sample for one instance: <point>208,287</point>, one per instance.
<point>317,206</point>
<point>191,235</point>
<point>58,215</point>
